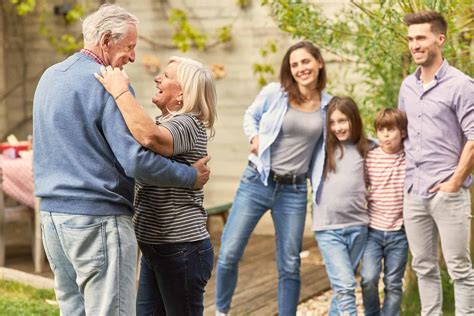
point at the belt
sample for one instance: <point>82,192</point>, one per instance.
<point>283,178</point>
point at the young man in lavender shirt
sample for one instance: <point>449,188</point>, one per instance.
<point>439,102</point>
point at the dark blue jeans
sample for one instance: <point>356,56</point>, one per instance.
<point>173,278</point>
<point>387,250</point>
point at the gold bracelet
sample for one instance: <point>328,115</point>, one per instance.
<point>120,94</point>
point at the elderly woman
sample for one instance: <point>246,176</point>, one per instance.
<point>285,127</point>
<point>170,223</point>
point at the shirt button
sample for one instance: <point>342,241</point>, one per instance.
<point>419,115</point>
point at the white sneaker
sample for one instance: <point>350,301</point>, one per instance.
<point>220,314</point>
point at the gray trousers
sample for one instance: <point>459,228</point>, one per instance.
<point>447,215</point>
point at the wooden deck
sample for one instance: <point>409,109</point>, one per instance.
<point>256,292</point>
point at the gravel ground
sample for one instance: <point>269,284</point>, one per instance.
<point>319,305</point>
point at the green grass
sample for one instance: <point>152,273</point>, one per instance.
<point>21,300</point>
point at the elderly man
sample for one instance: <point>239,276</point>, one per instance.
<point>85,162</point>
<point>439,103</point>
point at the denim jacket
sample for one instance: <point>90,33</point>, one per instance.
<point>264,118</point>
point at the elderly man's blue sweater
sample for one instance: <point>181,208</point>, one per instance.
<point>85,159</point>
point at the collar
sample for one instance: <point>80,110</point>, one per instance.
<point>325,98</point>
<point>91,54</point>
<point>438,75</point>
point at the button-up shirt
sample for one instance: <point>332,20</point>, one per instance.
<point>440,121</point>
<point>265,116</point>
<point>91,54</point>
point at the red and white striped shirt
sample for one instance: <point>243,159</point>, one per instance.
<point>385,175</point>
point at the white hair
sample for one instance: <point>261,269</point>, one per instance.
<point>199,90</point>
<point>109,18</point>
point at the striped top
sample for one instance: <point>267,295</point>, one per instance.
<point>385,174</point>
<point>174,215</point>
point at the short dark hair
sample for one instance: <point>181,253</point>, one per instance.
<point>391,118</point>
<point>435,19</point>
<point>286,79</point>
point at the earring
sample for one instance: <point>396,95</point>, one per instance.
<point>179,102</point>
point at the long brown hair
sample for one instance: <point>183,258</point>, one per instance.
<point>286,78</point>
<point>348,107</point>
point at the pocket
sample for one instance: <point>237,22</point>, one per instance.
<point>301,188</point>
<point>46,250</point>
<point>206,259</point>
<point>449,194</point>
<point>250,175</point>
<point>167,251</point>
<point>85,246</point>
<point>456,205</point>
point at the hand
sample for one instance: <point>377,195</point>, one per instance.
<point>448,186</point>
<point>114,80</point>
<point>203,172</point>
<point>254,145</point>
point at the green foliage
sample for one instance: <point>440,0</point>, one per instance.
<point>373,36</point>
<point>186,35</point>
<point>64,43</point>
<point>75,14</point>
<point>243,4</point>
<point>224,34</point>
<point>23,7</point>
<point>17,299</point>
<point>264,70</point>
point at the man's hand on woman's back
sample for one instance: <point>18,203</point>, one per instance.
<point>203,172</point>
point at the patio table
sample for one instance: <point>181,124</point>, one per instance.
<point>17,176</point>
<point>18,179</point>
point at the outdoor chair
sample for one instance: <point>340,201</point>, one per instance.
<point>221,211</point>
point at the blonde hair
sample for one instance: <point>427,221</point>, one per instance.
<point>199,91</point>
<point>109,18</point>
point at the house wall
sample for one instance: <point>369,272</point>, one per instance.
<point>25,54</point>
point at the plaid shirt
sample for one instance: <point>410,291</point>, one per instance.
<point>89,53</point>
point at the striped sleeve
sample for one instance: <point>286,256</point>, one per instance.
<point>185,130</point>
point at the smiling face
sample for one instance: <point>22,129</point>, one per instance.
<point>304,68</point>
<point>390,139</point>
<point>169,95</point>
<point>425,45</point>
<point>340,126</point>
<point>118,53</point>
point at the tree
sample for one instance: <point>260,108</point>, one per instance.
<point>373,36</point>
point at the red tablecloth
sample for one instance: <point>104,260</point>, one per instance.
<point>18,179</point>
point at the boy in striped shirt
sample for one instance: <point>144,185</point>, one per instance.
<point>387,242</point>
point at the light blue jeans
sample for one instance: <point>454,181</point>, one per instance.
<point>94,263</point>
<point>341,250</point>
<point>392,247</point>
<point>253,199</point>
